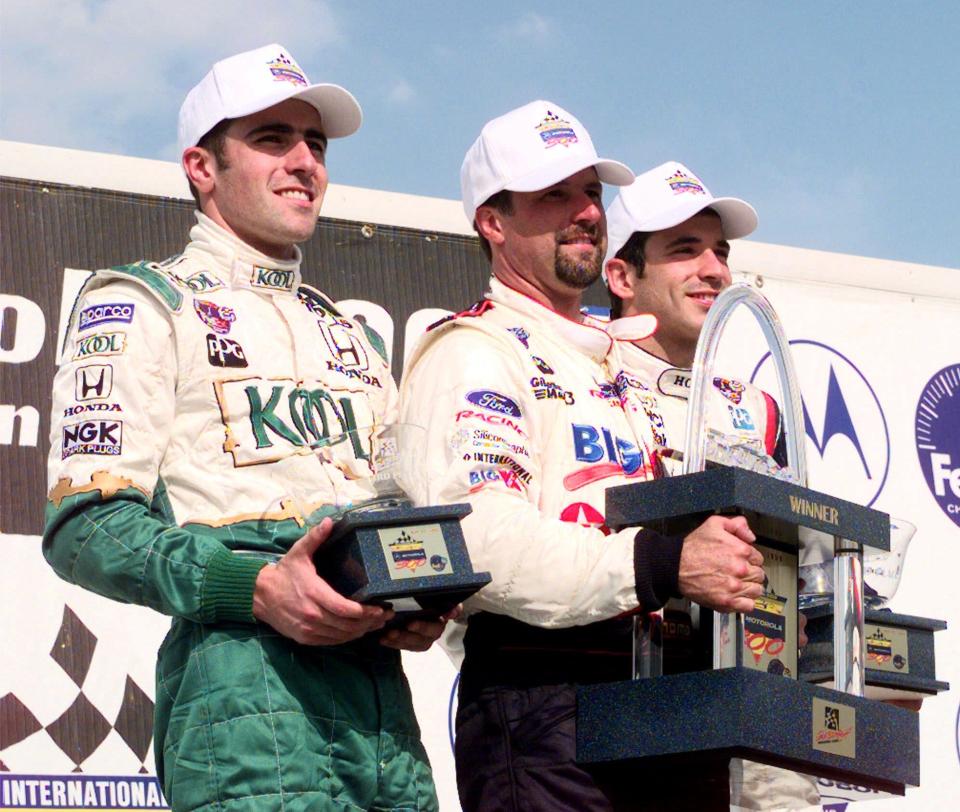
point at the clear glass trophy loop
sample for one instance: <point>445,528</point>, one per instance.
<point>849,653</point>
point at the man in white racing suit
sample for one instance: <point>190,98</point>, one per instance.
<point>525,421</point>
<point>667,256</point>
<point>207,409</point>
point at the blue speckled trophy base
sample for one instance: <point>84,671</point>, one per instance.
<point>738,712</point>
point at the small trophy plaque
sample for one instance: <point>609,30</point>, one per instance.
<point>383,550</point>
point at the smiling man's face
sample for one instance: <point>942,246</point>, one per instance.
<point>685,268</point>
<point>269,189</point>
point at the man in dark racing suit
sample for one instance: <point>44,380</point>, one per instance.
<point>207,410</point>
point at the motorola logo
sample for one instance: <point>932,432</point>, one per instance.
<point>848,441</point>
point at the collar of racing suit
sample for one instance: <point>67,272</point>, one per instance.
<point>670,380</point>
<point>587,336</point>
<point>241,266</point>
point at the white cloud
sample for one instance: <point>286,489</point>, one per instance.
<point>110,75</point>
<point>529,26</point>
<point>401,92</point>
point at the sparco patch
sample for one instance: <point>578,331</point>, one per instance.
<point>105,313</point>
<point>103,437</point>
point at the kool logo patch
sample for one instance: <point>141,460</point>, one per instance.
<point>272,279</point>
<point>266,420</point>
<point>93,382</point>
<point>100,344</point>
<point>225,352</point>
<point>105,313</point>
<point>217,317</point>
<point>201,282</point>
<point>494,402</point>
<point>103,437</point>
<point>937,434</point>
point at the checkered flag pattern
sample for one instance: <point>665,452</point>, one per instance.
<point>82,727</point>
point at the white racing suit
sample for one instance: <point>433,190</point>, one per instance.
<point>205,407</point>
<point>525,421</point>
<point>745,411</point>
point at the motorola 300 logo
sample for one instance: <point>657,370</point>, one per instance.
<point>848,443</point>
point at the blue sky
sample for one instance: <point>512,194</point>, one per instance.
<point>840,122</point>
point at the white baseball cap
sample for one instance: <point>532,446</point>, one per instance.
<point>666,196</point>
<point>528,149</point>
<point>255,80</point>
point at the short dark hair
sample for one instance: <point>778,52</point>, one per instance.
<point>633,254</point>
<point>502,201</point>
<point>213,142</point>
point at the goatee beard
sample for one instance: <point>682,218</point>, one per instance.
<point>579,273</point>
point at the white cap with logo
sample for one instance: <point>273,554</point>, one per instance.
<point>255,80</point>
<point>666,196</point>
<point>529,149</point>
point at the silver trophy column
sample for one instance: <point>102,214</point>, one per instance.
<point>848,555</point>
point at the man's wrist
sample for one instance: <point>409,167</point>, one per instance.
<point>656,564</point>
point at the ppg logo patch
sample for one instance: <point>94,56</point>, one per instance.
<point>937,433</point>
<point>103,437</point>
<point>224,352</point>
<point>105,313</point>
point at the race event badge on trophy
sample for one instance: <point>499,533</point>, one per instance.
<point>386,551</point>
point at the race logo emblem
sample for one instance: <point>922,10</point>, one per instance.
<point>542,365</point>
<point>284,69</point>
<point>585,515</point>
<point>556,131</point>
<point>217,317</point>
<point>937,434</point>
<point>344,345</point>
<point>741,419</point>
<point>879,647</point>
<point>201,282</point>
<point>84,408</point>
<point>606,455</point>
<point>834,728</point>
<point>266,420</point>
<point>103,437</point>
<point>100,344</point>
<point>93,382</point>
<point>106,313</point>
<point>522,335</point>
<point>225,352</point>
<point>848,442</point>
<point>407,552</point>
<point>731,390</point>
<point>494,402</point>
<point>438,563</point>
<point>682,183</point>
<point>272,278</point>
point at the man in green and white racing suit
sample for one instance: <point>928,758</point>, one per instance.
<point>187,412</point>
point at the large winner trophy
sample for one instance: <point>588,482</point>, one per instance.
<point>679,731</point>
<point>383,550</point>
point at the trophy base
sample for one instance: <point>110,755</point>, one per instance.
<point>414,559</point>
<point>742,713</point>
<point>900,660</point>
